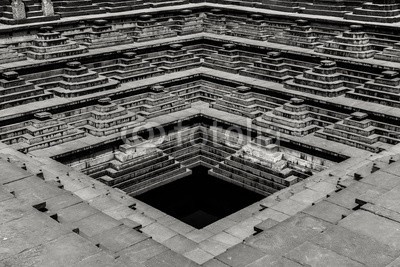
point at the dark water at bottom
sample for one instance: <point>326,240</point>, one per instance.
<point>199,199</point>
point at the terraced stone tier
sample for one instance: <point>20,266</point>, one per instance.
<point>389,53</point>
<point>121,5</point>
<point>253,28</point>
<point>322,80</point>
<point>187,22</point>
<point>353,43</point>
<point>50,44</point>
<point>215,22</point>
<point>174,59</point>
<point>200,91</point>
<point>245,103</point>
<point>147,28</point>
<point>359,131</point>
<point>8,55</point>
<point>42,132</point>
<point>68,8</point>
<point>15,91</point>
<point>101,34</point>
<point>135,168</point>
<point>76,80</point>
<point>384,90</point>
<point>272,67</point>
<point>292,118</point>
<point>384,11</point>
<point>300,34</point>
<point>286,6</point>
<point>336,8</point>
<point>154,103</point>
<point>229,59</point>
<point>129,67</point>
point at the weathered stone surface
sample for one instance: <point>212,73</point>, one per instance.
<point>180,244</point>
<point>240,255</point>
<point>169,259</point>
<point>288,234</point>
<point>355,246</point>
<point>274,261</point>
<point>310,254</point>
<point>18,9</point>
<point>141,252</point>
<point>66,250</point>
<point>327,211</point>
<point>27,232</point>
<point>47,7</point>
<point>158,232</point>
<point>384,230</point>
<point>95,224</point>
<point>198,255</point>
<point>118,238</point>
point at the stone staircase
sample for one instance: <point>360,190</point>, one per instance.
<point>33,12</point>
<point>15,91</point>
<point>71,8</point>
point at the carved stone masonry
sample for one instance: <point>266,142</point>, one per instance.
<point>18,9</point>
<point>47,7</point>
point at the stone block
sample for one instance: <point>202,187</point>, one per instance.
<point>313,255</point>
<point>240,255</point>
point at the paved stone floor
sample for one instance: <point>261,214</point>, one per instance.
<point>59,217</point>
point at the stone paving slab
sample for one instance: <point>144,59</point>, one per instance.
<point>158,232</point>
<point>62,201</point>
<point>169,259</point>
<point>265,225</point>
<point>198,255</point>
<point>198,235</point>
<point>220,225</point>
<point>226,239</point>
<point>26,232</point>
<point>103,260</point>
<point>76,212</point>
<point>344,198</point>
<point>66,250</point>
<point>327,211</point>
<point>274,261</point>
<point>13,209</point>
<point>272,214</point>
<point>390,200</point>
<point>308,196</point>
<point>10,173</point>
<point>5,194</point>
<point>131,224</point>
<point>287,235</point>
<point>240,255</point>
<point>314,255</point>
<point>381,211</point>
<point>141,252</point>
<point>38,194</point>
<point>103,203</point>
<point>355,246</point>
<point>290,207</point>
<point>140,218</point>
<point>118,238</point>
<point>180,244</point>
<point>94,224</point>
<point>384,230</point>
<point>214,263</point>
<point>213,247</point>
